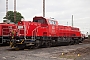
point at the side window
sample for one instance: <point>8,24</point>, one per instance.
<point>40,21</point>
<point>35,20</point>
<point>52,22</point>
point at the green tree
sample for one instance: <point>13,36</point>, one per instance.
<point>10,16</point>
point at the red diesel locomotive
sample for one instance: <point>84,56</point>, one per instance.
<point>44,32</point>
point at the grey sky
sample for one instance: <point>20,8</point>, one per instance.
<point>61,10</point>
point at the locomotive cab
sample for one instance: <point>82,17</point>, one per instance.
<point>41,20</point>
<point>50,24</point>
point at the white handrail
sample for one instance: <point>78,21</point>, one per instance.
<point>35,32</point>
<point>7,33</point>
<point>24,31</point>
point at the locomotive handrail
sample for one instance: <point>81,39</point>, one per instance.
<point>35,32</point>
<point>24,31</point>
<point>5,32</point>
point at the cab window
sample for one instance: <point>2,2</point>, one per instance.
<point>42,21</point>
<point>52,22</point>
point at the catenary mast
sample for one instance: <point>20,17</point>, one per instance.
<point>6,8</point>
<point>15,11</point>
<point>43,8</point>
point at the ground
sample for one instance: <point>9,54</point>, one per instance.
<point>72,52</point>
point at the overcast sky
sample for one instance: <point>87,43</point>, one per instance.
<point>61,10</point>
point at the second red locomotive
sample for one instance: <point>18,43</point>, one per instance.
<point>5,29</point>
<point>44,32</point>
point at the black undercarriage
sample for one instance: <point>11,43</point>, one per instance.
<point>35,42</point>
<point>5,39</point>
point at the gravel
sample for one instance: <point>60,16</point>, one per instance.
<point>53,53</point>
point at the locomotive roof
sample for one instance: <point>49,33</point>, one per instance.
<point>45,18</point>
<point>6,24</point>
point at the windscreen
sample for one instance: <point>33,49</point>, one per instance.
<point>40,20</point>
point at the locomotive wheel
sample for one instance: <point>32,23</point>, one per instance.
<point>76,42</point>
<point>48,44</point>
<point>72,42</point>
<point>20,47</point>
<point>37,44</point>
